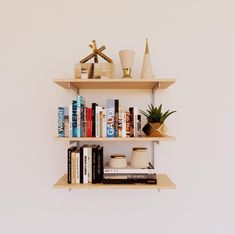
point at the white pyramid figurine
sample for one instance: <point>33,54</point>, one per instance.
<point>147,70</point>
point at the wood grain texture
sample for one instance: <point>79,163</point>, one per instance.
<point>115,83</point>
<point>163,182</point>
<point>116,139</point>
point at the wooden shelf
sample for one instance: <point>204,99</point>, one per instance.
<point>116,139</point>
<point>115,83</point>
<point>163,182</point>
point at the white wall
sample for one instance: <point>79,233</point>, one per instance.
<point>191,40</point>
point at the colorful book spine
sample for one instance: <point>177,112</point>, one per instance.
<point>74,118</point>
<point>61,122</point>
<point>66,121</point>
<point>88,122</point>
<point>110,118</point>
<point>79,109</point>
<point>116,111</point>
<point>73,168</point>
<point>128,124</point>
<point>135,122</point>
<point>84,123</point>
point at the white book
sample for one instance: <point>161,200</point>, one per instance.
<point>70,121</point>
<point>124,124</point>
<point>90,164</point>
<point>98,109</point>
<point>78,167</point>
<point>85,165</point>
<point>104,122</point>
<point>135,127</point>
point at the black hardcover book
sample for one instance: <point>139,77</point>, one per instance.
<point>99,165</point>
<point>116,109</point>
<point>69,163</point>
<point>94,163</point>
<point>129,181</point>
<point>93,105</point>
<point>81,163</point>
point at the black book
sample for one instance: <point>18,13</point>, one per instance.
<point>69,163</point>
<point>129,181</point>
<point>93,105</point>
<point>94,163</point>
<point>81,163</point>
<point>116,113</point>
<point>99,165</point>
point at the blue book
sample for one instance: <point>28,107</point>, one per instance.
<point>79,112</point>
<point>74,118</point>
<point>110,118</point>
<point>61,121</point>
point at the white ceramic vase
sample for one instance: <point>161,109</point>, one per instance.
<point>140,157</point>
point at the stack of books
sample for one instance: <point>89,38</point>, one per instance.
<point>85,164</point>
<point>78,120</point>
<point>130,175</point>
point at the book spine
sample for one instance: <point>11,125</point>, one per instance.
<point>85,165</point>
<point>116,111</point>
<point>84,131</point>
<point>129,181</point>
<point>100,168</point>
<point>77,167</point>
<point>135,122</point>
<point>110,118</point>
<point>120,123</point>
<point>61,122</point>
<point>128,124</point>
<point>130,176</point>
<point>66,126</point>
<point>93,105</point>
<point>139,126</point>
<point>70,121</point>
<point>127,171</point>
<point>98,109</point>
<point>90,165</point>
<point>81,164</point>
<point>89,122</point>
<point>79,106</point>
<point>94,162</point>
<point>69,180</point>
<point>104,125</point>
<point>74,118</point>
<point>73,167</point>
<point>123,124</point>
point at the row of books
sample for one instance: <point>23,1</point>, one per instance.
<point>130,175</point>
<point>78,120</point>
<point>85,164</point>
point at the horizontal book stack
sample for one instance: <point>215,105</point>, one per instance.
<point>130,175</point>
<point>85,164</point>
<point>78,120</point>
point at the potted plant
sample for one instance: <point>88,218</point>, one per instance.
<point>155,117</point>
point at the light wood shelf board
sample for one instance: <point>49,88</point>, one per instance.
<point>163,182</point>
<point>116,139</point>
<point>115,83</point>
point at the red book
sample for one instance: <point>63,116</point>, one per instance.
<point>89,122</point>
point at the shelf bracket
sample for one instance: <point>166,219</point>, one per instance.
<point>69,190</point>
<point>157,86</point>
<point>158,190</point>
<point>74,88</point>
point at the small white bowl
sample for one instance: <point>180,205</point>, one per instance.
<point>118,161</point>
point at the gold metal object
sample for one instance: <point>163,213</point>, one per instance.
<point>126,73</point>
<point>95,54</point>
<point>146,47</point>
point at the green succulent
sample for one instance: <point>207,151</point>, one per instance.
<point>155,114</point>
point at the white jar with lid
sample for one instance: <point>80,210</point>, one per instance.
<point>140,157</point>
<point>118,161</point>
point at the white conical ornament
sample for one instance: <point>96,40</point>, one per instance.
<point>147,70</point>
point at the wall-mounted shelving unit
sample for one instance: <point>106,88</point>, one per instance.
<point>163,181</point>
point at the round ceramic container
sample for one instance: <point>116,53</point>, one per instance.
<point>118,161</point>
